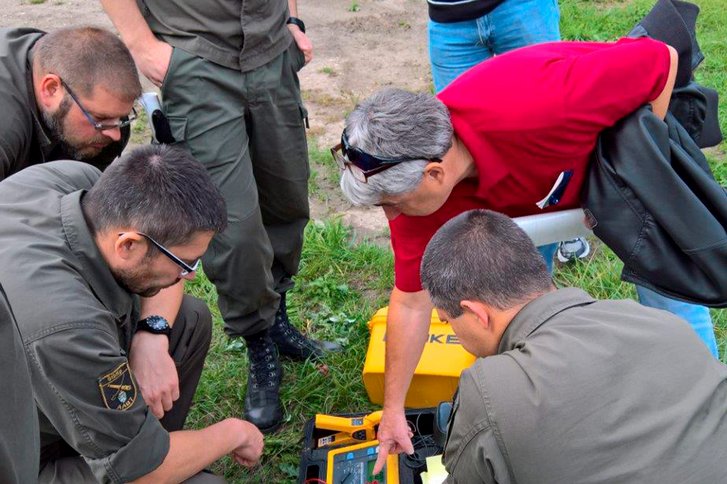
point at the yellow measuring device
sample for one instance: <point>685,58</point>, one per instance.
<point>354,464</point>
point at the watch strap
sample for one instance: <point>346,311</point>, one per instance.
<point>296,21</point>
<point>154,325</point>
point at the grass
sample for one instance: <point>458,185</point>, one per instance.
<point>340,284</point>
<point>140,130</point>
<point>324,174</point>
<point>330,71</point>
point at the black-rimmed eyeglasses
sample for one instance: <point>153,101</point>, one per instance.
<point>186,268</point>
<point>99,125</point>
<point>361,164</point>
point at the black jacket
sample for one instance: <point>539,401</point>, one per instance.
<point>653,200</point>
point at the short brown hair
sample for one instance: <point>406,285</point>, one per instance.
<point>85,57</point>
<point>161,190</point>
<point>483,256</point>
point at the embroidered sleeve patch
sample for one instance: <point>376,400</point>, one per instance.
<point>118,389</point>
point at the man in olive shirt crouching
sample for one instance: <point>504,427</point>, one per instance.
<point>567,388</point>
<point>77,248</point>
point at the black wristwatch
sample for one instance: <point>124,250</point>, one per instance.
<point>298,22</point>
<point>155,325</point>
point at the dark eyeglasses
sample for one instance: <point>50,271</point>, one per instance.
<point>361,164</point>
<point>99,125</point>
<point>186,268</point>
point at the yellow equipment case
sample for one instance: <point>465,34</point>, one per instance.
<point>436,376</point>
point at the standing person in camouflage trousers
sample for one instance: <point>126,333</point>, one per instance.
<point>228,75</point>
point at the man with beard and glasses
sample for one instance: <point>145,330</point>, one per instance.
<point>67,94</point>
<point>77,249</point>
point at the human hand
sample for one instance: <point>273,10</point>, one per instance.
<point>302,41</point>
<point>152,59</point>
<point>394,437</point>
<point>154,371</point>
<point>249,452</point>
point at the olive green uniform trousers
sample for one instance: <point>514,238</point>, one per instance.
<point>247,128</point>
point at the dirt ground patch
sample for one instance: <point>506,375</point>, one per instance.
<point>381,44</point>
<point>359,47</point>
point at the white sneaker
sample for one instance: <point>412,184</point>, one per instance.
<point>570,250</point>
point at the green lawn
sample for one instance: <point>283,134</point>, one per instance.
<point>341,284</point>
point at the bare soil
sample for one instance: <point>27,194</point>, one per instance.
<point>359,46</point>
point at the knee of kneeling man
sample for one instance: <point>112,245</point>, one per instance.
<point>198,315</point>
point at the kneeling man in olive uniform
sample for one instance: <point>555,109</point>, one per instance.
<point>567,388</point>
<point>77,249</point>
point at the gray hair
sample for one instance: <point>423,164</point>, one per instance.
<point>481,255</point>
<point>394,123</point>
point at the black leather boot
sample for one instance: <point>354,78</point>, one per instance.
<point>262,400</point>
<point>292,343</point>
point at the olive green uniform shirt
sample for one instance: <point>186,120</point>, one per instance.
<point>19,443</point>
<point>239,34</point>
<point>76,324</point>
<point>24,140</point>
<point>591,391</point>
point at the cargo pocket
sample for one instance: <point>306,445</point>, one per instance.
<point>297,58</point>
<point>167,75</point>
<point>178,128</point>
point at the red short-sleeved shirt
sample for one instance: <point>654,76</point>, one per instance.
<point>526,117</point>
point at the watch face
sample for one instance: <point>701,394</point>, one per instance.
<point>157,323</point>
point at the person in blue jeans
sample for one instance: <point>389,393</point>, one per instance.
<point>465,33</point>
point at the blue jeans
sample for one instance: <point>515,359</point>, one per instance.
<point>457,46</point>
<point>548,251</point>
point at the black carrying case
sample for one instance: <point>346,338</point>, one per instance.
<point>314,462</point>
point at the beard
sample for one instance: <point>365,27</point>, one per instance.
<point>74,147</point>
<point>140,281</point>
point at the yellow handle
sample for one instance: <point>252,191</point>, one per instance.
<point>339,424</point>
<point>350,425</point>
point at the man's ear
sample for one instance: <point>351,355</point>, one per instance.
<point>480,310</point>
<point>434,172</point>
<point>130,247</point>
<point>50,92</point>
